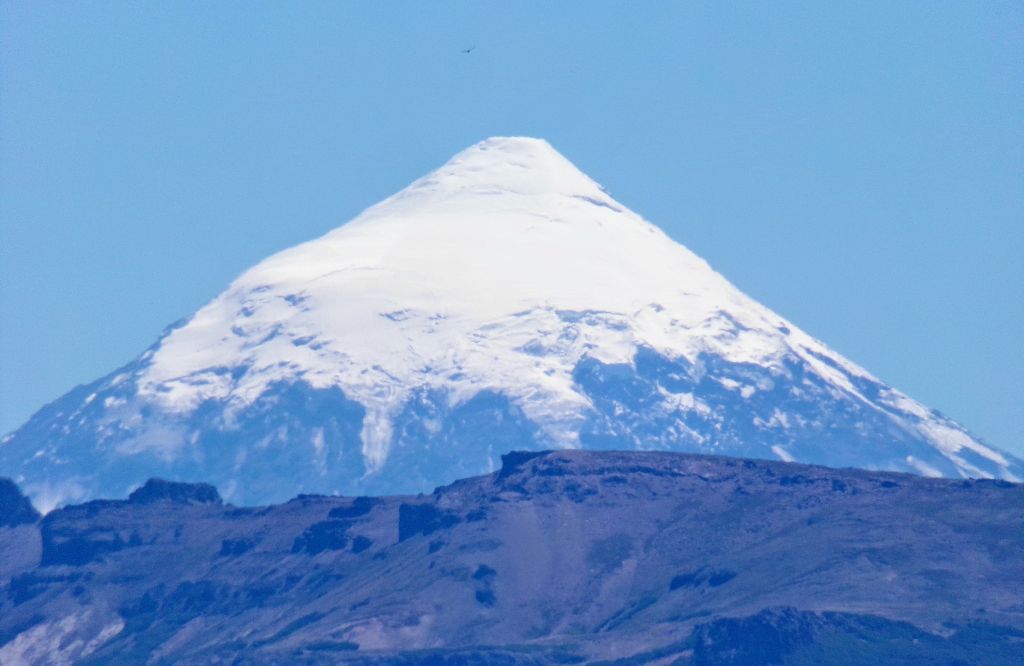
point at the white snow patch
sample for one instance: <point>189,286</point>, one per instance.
<point>47,496</point>
<point>950,440</point>
<point>61,642</point>
<point>778,419</point>
<point>319,449</point>
<point>685,402</point>
<point>904,403</point>
<point>782,453</point>
<point>111,402</point>
<point>924,468</point>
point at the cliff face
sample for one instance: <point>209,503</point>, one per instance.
<point>561,557</point>
<point>15,508</point>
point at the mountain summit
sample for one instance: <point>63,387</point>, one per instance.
<point>503,301</point>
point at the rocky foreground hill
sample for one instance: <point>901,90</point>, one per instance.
<point>557,558</point>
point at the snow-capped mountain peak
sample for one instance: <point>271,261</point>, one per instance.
<point>458,281</point>
<point>503,300</point>
<point>518,165</point>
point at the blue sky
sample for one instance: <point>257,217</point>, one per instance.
<point>856,168</point>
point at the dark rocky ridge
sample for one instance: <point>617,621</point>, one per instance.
<point>564,557</point>
<point>161,490</point>
<point>15,508</point>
